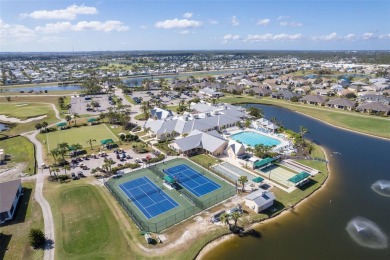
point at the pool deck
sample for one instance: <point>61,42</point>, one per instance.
<point>283,143</point>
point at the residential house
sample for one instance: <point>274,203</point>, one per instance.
<point>374,107</point>
<point>258,91</point>
<point>210,92</point>
<point>341,103</point>
<point>375,98</point>
<point>285,94</point>
<point>235,89</point>
<point>10,193</point>
<point>313,100</point>
<point>200,142</point>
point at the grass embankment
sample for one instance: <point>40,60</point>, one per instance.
<point>364,123</point>
<point>21,151</point>
<point>14,243</point>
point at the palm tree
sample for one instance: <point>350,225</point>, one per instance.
<point>108,163</point>
<point>214,101</point>
<point>75,115</point>
<point>242,180</point>
<point>90,142</point>
<point>54,153</point>
<point>225,219</point>
<point>63,148</point>
<point>68,119</point>
<point>302,131</point>
<point>66,168</point>
<point>235,216</point>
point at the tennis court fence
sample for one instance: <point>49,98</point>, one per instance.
<point>156,171</point>
<point>171,220</point>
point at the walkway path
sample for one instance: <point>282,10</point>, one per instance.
<point>40,179</point>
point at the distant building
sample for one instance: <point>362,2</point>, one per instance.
<point>10,193</point>
<point>158,113</point>
<point>259,200</point>
<point>235,149</point>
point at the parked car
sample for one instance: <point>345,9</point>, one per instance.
<point>234,209</point>
<point>80,174</point>
<point>217,216</point>
<point>74,177</point>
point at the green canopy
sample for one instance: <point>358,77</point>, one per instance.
<point>60,124</point>
<point>91,120</point>
<point>299,177</point>
<point>257,179</point>
<point>106,141</point>
<point>169,179</point>
<point>263,162</point>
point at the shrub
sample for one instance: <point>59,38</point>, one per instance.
<point>160,157</point>
<point>36,238</point>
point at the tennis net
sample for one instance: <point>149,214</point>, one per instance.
<point>146,193</point>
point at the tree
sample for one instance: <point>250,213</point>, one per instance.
<point>255,112</point>
<point>75,115</point>
<point>225,219</point>
<point>44,125</point>
<point>102,116</point>
<point>54,153</point>
<point>36,238</point>
<point>38,126</point>
<point>235,216</point>
<point>68,119</point>
<point>62,148</point>
<point>108,163</point>
<point>90,142</point>
<point>247,123</point>
<point>66,168</point>
<point>302,131</point>
<point>242,180</point>
<point>262,150</point>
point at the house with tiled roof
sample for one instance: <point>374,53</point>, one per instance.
<point>341,103</point>
<point>313,100</point>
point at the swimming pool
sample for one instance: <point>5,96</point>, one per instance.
<point>253,138</point>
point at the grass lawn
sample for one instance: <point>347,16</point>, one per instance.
<point>21,150</point>
<point>204,160</point>
<point>369,124</point>
<point>85,226</point>
<point>80,135</point>
<point>14,242</point>
<point>130,99</point>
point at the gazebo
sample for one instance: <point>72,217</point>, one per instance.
<point>91,120</point>
<point>60,125</point>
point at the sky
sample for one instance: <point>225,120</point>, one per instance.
<point>57,25</point>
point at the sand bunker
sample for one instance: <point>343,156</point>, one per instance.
<point>17,120</point>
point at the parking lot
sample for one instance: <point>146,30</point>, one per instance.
<point>80,104</point>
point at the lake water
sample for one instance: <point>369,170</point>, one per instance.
<point>3,127</point>
<point>43,88</point>
<point>316,229</point>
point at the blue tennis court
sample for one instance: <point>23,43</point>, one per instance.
<point>149,199</point>
<point>192,180</point>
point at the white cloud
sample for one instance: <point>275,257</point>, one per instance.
<point>69,13</point>
<point>15,33</point>
<point>178,23</point>
<point>213,22</point>
<point>350,37</point>
<point>51,39</point>
<point>384,36</point>
<point>291,24</point>
<point>187,15</point>
<point>143,27</point>
<point>368,36</point>
<point>283,17</point>
<point>183,32</point>
<point>231,37</point>
<point>234,21</point>
<point>273,37</point>
<point>329,37</point>
<point>106,26</point>
<point>263,21</point>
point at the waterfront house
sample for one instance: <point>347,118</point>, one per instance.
<point>341,103</point>
<point>10,193</point>
<point>259,200</point>
<point>313,100</point>
<point>285,94</point>
<point>374,107</point>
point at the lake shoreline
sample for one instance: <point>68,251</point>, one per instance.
<point>217,241</point>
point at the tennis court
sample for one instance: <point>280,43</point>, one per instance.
<point>149,199</point>
<point>192,180</point>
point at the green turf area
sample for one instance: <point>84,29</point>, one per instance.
<point>80,135</point>
<point>204,160</point>
<point>14,241</point>
<point>21,151</point>
<point>85,226</point>
<point>24,111</point>
<point>185,209</point>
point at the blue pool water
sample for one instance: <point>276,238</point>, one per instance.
<point>253,139</point>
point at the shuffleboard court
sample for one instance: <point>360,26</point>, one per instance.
<point>192,180</point>
<point>149,199</point>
